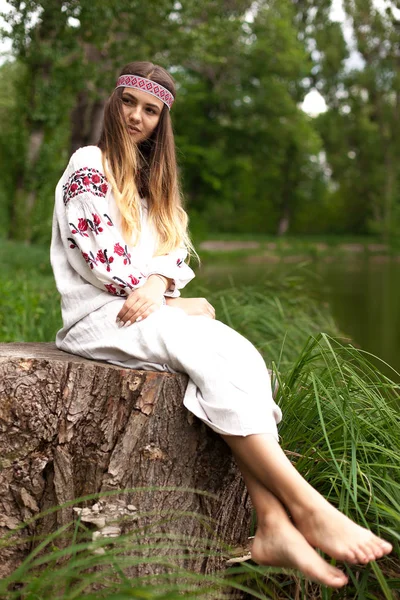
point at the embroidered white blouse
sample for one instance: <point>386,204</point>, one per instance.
<point>91,261</point>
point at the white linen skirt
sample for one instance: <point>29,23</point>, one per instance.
<point>229,385</point>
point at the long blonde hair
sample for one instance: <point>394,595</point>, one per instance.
<point>157,179</point>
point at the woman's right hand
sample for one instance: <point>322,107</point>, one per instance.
<point>193,306</point>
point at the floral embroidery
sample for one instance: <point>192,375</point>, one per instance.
<point>85,224</point>
<point>179,262</point>
<point>125,284</point>
<point>85,179</point>
<point>113,290</point>
<point>118,249</point>
<point>134,280</point>
<point>90,259</point>
<point>95,224</point>
<point>103,258</point>
<point>81,229</point>
<point>109,222</point>
<point>73,244</point>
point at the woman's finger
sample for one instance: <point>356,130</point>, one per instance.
<point>152,308</point>
<point>129,312</point>
<point>138,310</point>
<point>141,313</point>
<point>129,304</point>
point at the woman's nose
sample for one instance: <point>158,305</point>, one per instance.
<point>135,114</point>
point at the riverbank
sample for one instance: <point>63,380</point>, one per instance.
<point>268,249</point>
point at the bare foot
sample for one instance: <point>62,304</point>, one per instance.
<point>280,544</point>
<point>326,528</point>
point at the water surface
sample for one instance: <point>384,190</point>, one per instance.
<point>363,294</point>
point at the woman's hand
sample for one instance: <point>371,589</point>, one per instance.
<point>193,306</point>
<point>143,301</point>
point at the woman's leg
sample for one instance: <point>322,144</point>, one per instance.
<point>279,543</point>
<point>218,361</point>
<point>321,524</point>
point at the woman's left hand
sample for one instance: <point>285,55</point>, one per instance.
<point>142,302</point>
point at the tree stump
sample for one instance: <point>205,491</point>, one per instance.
<point>70,427</point>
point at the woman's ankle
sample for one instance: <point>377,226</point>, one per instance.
<point>271,519</point>
<point>308,509</point>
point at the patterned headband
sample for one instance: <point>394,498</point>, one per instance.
<point>146,85</point>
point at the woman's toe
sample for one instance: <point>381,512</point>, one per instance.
<point>361,556</point>
<point>378,551</point>
<point>350,557</point>
<point>385,546</point>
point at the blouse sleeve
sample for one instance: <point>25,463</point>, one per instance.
<point>173,267</point>
<point>93,235</point>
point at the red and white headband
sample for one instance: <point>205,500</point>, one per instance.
<point>146,85</point>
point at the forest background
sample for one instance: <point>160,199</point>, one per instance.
<point>252,160</point>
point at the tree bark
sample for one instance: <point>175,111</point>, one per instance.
<point>87,114</point>
<point>287,191</point>
<point>70,427</point>
<point>86,121</point>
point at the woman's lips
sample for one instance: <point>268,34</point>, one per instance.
<point>134,130</point>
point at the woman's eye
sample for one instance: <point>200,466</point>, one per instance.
<point>150,110</point>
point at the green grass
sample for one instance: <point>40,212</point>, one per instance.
<point>341,428</point>
<point>29,301</point>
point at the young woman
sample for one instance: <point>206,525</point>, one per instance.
<point>118,253</point>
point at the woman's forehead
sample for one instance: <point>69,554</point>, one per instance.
<point>143,97</point>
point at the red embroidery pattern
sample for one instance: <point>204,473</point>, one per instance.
<point>81,229</point>
<point>118,249</point>
<point>111,289</point>
<point>95,224</point>
<point>85,179</point>
<point>135,281</point>
<point>90,259</point>
<point>85,224</point>
<point>103,258</point>
<point>151,87</point>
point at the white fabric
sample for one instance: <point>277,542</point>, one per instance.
<point>229,386</point>
<point>87,222</point>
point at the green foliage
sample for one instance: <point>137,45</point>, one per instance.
<point>12,140</point>
<point>251,156</point>
<point>244,145</point>
<point>251,160</point>
<point>29,302</point>
<point>361,129</point>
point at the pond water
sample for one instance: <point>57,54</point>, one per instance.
<point>363,294</point>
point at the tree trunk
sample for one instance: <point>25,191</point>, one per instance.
<point>25,196</point>
<point>87,114</point>
<point>86,121</point>
<point>287,190</point>
<point>72,427</point>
